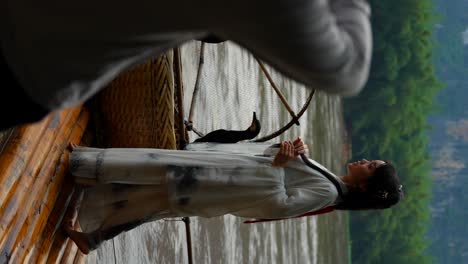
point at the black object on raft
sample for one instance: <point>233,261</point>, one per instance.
<point>232,136</point>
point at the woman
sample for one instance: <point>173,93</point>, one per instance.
<point>57,55</point>
<point>128,187</point>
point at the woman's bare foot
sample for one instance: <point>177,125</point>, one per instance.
<point>85,181</point>
<point>81,239</point>
<point>71,146</point>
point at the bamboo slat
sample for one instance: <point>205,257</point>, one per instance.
<point>137,108</point>
<point>32,189</point>
<point>57,249</point>
<point>4,136</point>
<point>61,247</point>
<point>53,175</point>
<point>80,258</point>
<point>60,241</point>
<point>69,253</point>
<point>27,173</point>
<point>39,251</point>
<point>55,242</point>
<point>20,194</point>
<point>15,156</point>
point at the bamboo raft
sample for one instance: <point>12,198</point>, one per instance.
<point>141,108</point>
<point>34,188</point>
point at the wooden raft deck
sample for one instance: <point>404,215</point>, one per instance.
<point>34,192</point>
<point>142,109</point>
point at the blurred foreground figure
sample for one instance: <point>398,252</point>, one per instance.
<point>59,54</point>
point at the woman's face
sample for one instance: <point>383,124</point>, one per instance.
<point>361,170</point>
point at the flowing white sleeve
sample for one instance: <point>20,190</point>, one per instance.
<point>293,202</point>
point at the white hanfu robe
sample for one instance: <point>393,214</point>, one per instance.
<point>207,180</point>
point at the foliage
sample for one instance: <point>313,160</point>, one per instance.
<point>388,120</point>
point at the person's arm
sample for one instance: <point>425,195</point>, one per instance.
<point>326,44</point>
<point>292,202</point>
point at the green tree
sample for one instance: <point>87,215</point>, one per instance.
<point>392,124</point>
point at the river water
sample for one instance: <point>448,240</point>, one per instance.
<point>232,86</point>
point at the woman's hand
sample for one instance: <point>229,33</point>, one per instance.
<point>289,150</point>
<point>299,147</point>
<point>285,153</point>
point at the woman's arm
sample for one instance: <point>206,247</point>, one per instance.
<point>292,202</point>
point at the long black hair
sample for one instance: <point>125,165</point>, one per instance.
<point>383,191</point>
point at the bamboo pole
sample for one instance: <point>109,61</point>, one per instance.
<point>189,239</point>
<point>36,187</point>
<point>288,125</point>
<point>180,102</point>
<point>278,92</point>
<point>201,62</point>
<point>54,177</point>
<point>189,122</point>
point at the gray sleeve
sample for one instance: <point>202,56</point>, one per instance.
<point>292,202</point>
<point>297,201</point>
<point>326,44</point>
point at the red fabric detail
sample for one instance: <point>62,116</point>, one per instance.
<point>320,211</point>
